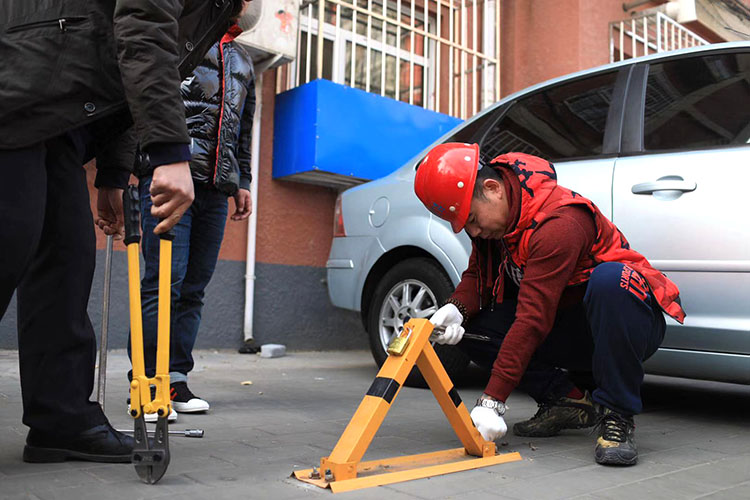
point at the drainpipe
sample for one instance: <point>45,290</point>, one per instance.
<point>252,222</point>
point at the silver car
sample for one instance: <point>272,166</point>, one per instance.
<point>659,143</point>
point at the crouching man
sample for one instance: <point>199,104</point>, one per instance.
<point>556,287</point>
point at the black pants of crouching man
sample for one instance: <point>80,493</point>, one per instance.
<point>609,335</point>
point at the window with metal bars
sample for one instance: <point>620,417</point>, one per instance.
<point>439,55</point>
<point>367,49</point>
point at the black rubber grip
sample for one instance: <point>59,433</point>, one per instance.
<point>131,211</point>
<point>167,235</point>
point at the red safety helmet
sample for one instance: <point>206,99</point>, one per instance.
<point>445,181</point>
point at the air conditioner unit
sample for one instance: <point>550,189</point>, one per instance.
<point>682,11</point>
<point>269,31</point>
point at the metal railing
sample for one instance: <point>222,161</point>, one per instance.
<point>437,54</point>
<point>647,34</point>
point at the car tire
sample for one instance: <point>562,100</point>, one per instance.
<point>414,275</point>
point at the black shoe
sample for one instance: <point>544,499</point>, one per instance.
<point>184,401</point>
<point>551,418</point>
<point>616,442</point>
<point>98,444</point>
<point>249,347</point>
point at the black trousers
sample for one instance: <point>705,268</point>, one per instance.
<point>47,254</point>
<point>609,335</point>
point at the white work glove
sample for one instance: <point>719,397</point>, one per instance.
<point>489,424</point>
<point>452,336</point>
<point>450,318</point>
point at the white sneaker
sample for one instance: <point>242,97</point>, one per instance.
<point>152,418</point>
<point>185,401</point>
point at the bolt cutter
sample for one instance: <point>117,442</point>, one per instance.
<point>151,459</point>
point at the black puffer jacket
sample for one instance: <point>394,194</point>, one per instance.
<point>220,117</point>
<point>68,63</point>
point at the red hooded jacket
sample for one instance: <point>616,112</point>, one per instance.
<point>536,198</point>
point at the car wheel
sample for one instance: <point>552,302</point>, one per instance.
<point>414,288</point>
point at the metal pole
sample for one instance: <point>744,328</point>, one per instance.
<point>308,55</point>
<point>498,55</point>
<point>398,50</point>
<point>191,433</point>
<point>252,221</point>
<point>338,48</point>
<point>464,28</point>
<point>353,68</point>
<point>102,377</point>
<point>658,34</point>
<point>368,51</point>
<point>474,71</point>
<point>438,51</point>
<point>424,80</point>
<point>384,39</point>
<point>321,22</point>
<point>451,54</point>
<point>413,9</point>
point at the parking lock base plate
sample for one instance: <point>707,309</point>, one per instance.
<point>406,468</point>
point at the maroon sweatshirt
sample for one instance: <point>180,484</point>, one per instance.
<point>555,247</point>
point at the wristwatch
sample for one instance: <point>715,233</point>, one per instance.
<point>493,404</point>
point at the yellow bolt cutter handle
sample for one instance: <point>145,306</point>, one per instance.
<point>162,403</point>
<point>151,459</point>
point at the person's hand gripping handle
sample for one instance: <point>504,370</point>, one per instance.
<point>448,320</point>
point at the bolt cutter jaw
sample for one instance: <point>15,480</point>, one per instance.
<point>151,459</point>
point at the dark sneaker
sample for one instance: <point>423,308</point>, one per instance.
<point>551,418</point>
<point>98,444</point>
<point>185,401</point>
<point>616,442</point>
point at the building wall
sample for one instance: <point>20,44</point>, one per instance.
<point>295,221</point>
<point>540,39</point>
<point>543,39</point>
<point>294,232</point>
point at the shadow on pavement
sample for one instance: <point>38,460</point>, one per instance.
<point>716,400</point>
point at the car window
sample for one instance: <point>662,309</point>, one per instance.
<point>560,122</point>
<point>698,102</point>
<point>473,130</point>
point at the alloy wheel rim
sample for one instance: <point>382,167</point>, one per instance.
<point>406,299</point>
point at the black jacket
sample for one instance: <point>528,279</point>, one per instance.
<point>219,115</point>
<point>68,63</point>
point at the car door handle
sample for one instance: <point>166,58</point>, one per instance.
<point>669,183</point>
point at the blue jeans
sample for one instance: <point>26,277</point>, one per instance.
<point>195,250</point>
<point>609,336</point>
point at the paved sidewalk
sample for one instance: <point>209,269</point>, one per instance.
<point>694,439</point>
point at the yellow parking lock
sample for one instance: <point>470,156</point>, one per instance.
<point>343,469</point>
